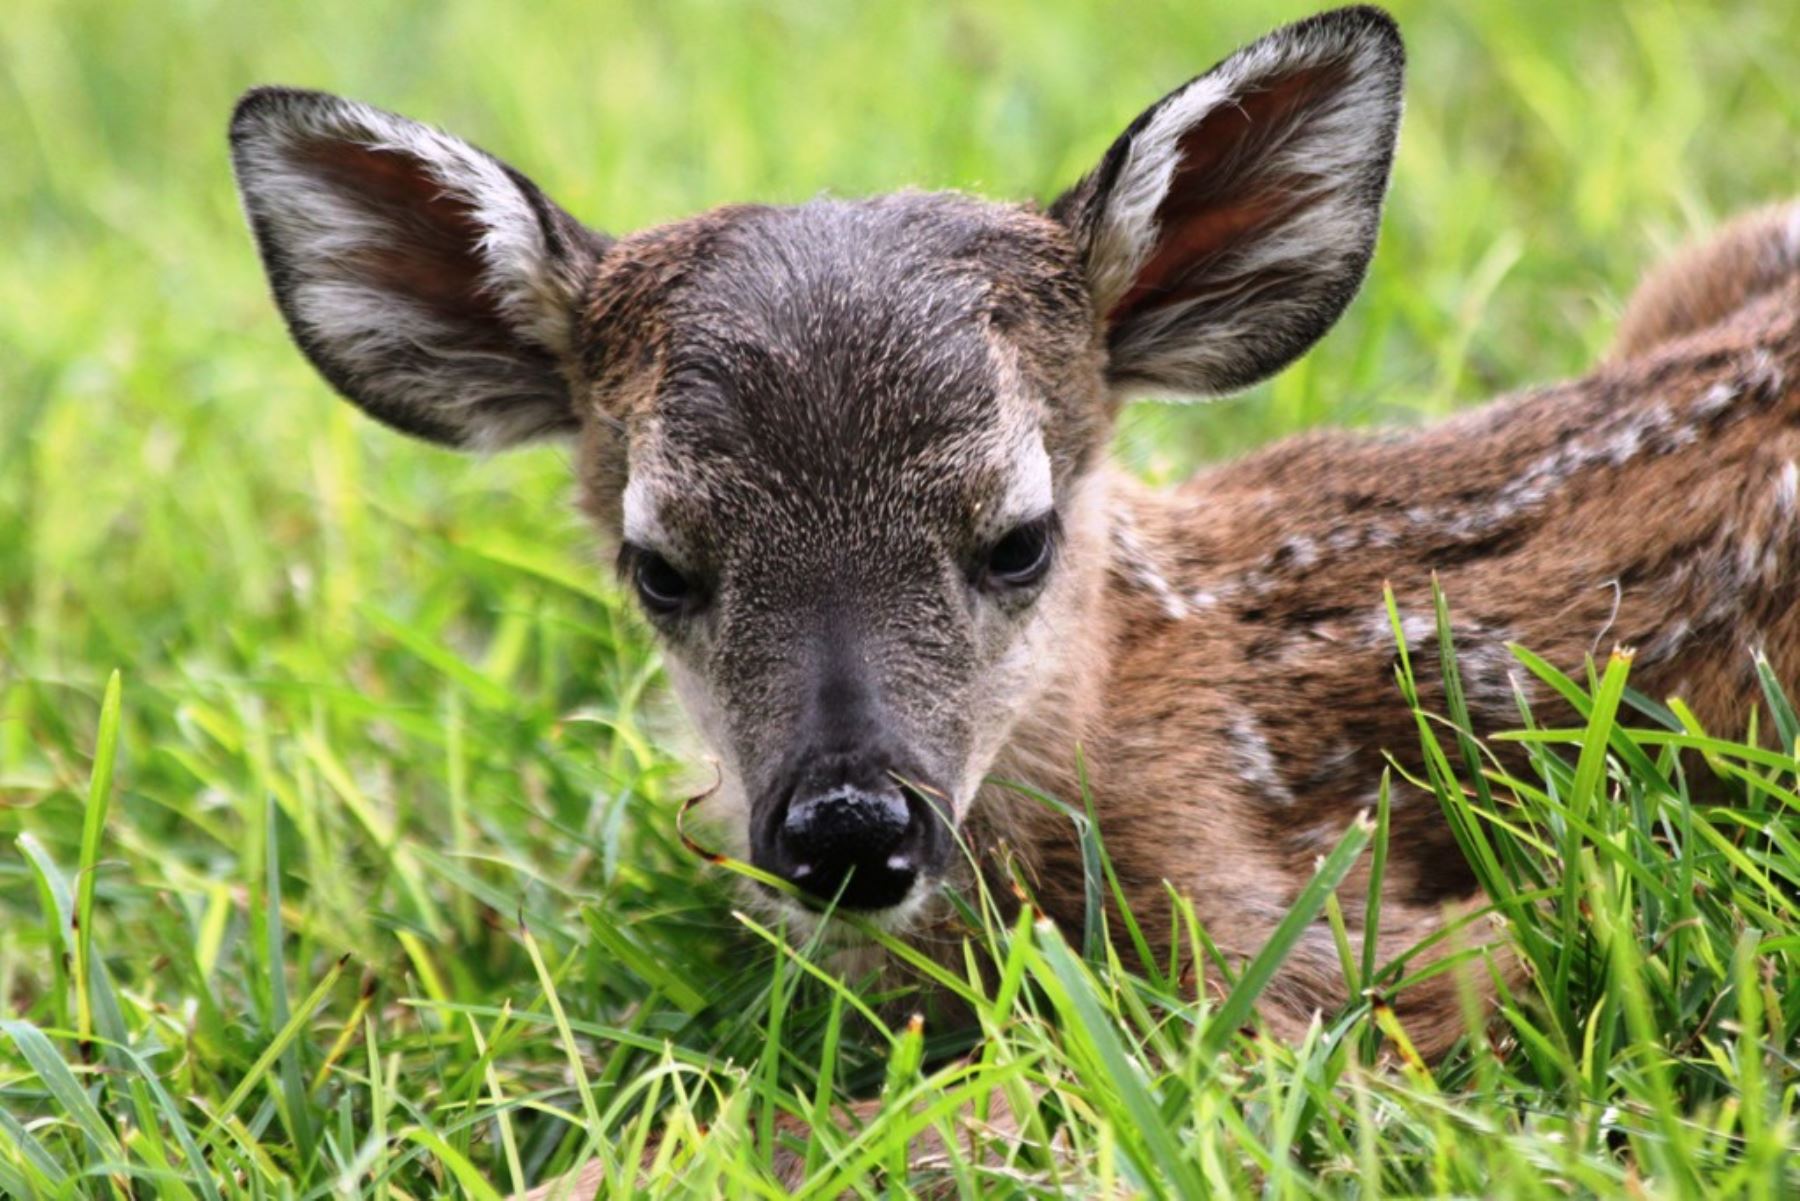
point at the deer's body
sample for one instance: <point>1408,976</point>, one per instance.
<point>1248,656</point>
<point>854,454</point>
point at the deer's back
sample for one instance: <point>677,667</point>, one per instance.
<point>1652,505</point>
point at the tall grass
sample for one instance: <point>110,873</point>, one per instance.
<point>363,876</point>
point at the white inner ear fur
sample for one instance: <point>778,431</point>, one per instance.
<point>1126,234</point>
<point>322,230</point>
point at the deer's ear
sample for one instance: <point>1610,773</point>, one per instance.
<point>1228,227</point>
<point>430,283</point>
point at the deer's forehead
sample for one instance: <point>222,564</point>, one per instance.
<point>841,363</point>
<point>882,287</point>
<point>702,468</point>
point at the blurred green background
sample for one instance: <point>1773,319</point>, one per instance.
<point>421,660</point>
<point>171,475</point>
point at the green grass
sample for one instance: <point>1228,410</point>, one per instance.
<point>367,881</point>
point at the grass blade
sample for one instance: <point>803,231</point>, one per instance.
<point>64,1089</point>
<point>92,829</point>
<point>284,1038</point>
<point>1124,1084</point>
<point>1234,1012</point>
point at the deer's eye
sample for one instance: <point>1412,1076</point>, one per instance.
<point>1021,558</point>
<point>662,588</point>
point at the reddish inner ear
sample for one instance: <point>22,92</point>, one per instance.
<point>1222,192</point>
<point>433,256</point>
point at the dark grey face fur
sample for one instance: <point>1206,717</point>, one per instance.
<point>852,493</point>
<point>850,451</point>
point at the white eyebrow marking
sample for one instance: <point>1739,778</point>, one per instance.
<point>641,527</point>
<point>1029,490</point>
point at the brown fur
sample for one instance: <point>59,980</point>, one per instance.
<point>1755,254</point>
<point>1290,644</point>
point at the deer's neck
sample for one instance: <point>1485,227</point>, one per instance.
<point>1116,539</point>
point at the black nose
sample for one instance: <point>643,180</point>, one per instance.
<point>862,846</point>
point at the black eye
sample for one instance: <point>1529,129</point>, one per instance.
<point>1021,558</point>
<point>663,589</point>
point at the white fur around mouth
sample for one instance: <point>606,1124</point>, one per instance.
<point>804,922</point>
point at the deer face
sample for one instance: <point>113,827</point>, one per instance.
<point>845,455</point>
<point>850,452</point>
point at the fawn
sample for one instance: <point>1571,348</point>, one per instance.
<point>854,457</point>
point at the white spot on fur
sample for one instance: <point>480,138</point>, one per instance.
<point>1141,566</point>
<point>1765,375</point>
<point>1371,801</point>
<point>1299,552</point>
<point>1255,762</point>
<point>1667,641</point>
<point>1716,400</point>
<point>1787,486</point>
<point>1483,663</point>
<point>1318,837</point>
<point>1333,764</point>
<point>1415,628</point>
